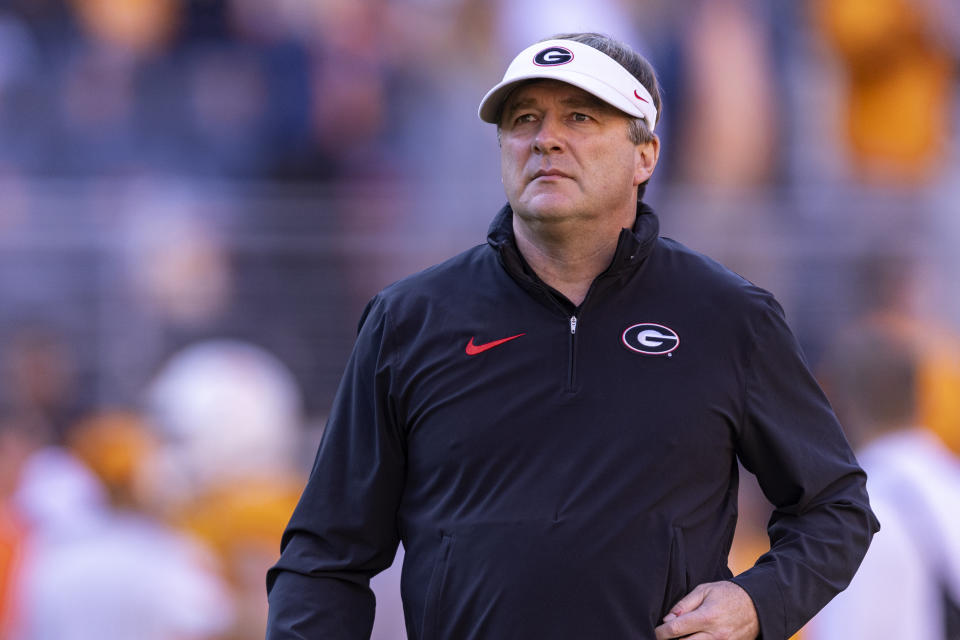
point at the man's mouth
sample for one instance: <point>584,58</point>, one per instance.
<point>549,173</point>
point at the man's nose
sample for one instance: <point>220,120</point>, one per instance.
<point>549,138</point>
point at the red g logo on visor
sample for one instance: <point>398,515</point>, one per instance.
<point>553,56</point>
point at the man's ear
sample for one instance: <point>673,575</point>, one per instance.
<point>646,155</point>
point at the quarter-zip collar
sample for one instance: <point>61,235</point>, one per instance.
<point>633,247</point>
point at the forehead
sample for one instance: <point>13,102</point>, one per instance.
<point>535,92</point>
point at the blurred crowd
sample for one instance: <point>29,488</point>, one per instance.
<point>198,196</point>
<point>155,521</point>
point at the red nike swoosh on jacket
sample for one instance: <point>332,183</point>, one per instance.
<point>474,349</point>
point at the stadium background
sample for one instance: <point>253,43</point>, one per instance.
<point>197,197</point>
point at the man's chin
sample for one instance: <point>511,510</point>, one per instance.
<point>545,208</point>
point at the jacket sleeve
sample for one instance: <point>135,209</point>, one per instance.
<point>343,531</point>
<point>789,437</point>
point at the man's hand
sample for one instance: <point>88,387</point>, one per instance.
<point>712,611</point>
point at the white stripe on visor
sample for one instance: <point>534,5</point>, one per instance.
<point>580,65</point>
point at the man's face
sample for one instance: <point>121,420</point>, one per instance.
<point>566,154</point>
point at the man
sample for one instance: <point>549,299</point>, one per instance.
<point>551,422</point>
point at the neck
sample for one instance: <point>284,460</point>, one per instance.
<point>567,255</point>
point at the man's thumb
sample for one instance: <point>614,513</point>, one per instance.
<point>686,604</point>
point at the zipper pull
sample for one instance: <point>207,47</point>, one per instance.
<point>573,325</point>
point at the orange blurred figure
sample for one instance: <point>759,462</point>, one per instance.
<point>899,85</point>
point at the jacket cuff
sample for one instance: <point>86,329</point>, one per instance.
<point>762,587</point>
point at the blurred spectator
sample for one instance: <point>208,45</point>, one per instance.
<point>229,416</point>
<point>230,419</point>
<point>98,565</point>
<point>898,59</point>
<point>890,292</point>
<point>909,583</point>
<point>728,124</point>
<point>227,411</point>
<point>349,97</point>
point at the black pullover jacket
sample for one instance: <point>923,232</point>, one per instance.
<point>578,478</point>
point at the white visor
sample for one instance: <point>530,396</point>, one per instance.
<point>580,65</point>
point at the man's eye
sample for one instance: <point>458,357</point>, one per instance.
<point>524,117</point>
<point>580,117</point>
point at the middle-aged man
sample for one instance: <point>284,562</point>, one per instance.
<point>550,422</point>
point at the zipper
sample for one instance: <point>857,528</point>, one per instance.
<point>573,322</point>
